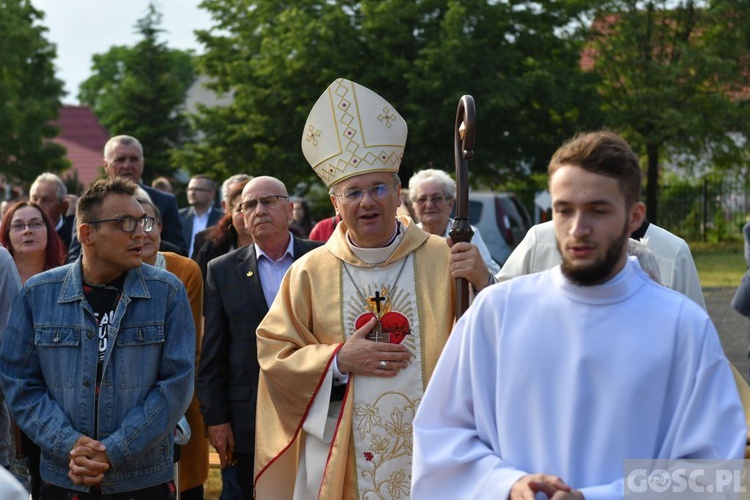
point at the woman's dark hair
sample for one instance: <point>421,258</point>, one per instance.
<point>54,253</point>
<point>224,229</point>
<point>306,223</point>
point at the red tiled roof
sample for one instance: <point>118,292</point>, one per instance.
<point>84,138</point>
<point>86,162</point>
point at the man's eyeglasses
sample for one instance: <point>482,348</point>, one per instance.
<point>437,199</point>
<point>205,190</point>
<point>269,202</point>
<point>377,192</point>
<point>128,224</point>
<point>18,227</point>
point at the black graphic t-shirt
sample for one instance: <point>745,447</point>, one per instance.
<point>103,300</point>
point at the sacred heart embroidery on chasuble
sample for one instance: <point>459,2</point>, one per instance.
<point>384,407</point>
<point>393,327</point>
<point>378,301</point>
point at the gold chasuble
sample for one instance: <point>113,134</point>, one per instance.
<point>360,447</point>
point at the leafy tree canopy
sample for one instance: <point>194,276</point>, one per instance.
<point>517,59</point>
<point>672,79</point>
<point>667,74</point>
<point>140,91</point>
<point>29,94</point>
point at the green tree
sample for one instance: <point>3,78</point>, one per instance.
<point>276,57</point>
<point>520,62</point>
<point>670,78</point>
<point>140,91</point>
<point>29,94</point>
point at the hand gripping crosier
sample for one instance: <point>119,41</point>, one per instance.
<point>464,148</point>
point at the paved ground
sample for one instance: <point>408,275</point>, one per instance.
<point>732,326</point>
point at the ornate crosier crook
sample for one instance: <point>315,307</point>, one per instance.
<point>465,131</point>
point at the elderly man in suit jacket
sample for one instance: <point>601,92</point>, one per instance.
<point>123,157</point>
<point>240,287</point>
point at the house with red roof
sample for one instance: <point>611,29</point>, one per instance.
<point>84,138</point>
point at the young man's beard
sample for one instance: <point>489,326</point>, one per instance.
<point>599,271</point>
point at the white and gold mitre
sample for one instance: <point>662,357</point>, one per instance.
<point>351,130</point>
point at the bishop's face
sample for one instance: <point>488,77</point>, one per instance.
<point>592,224</point>
<point>370,217</point>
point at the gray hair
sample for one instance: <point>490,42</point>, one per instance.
<point>226,186</point>
<point>432,175</point>
<point>122,139</point>
<point>646,258</point>
<point>144,198</point>
<point>51,178</point>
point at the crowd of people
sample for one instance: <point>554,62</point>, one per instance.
<point>327,359</point>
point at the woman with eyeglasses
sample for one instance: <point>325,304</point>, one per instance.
<point>29,236</point>
<point>31,239</point>
<point>193,455</point>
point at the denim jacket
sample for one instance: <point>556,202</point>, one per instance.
<point>48,364</point>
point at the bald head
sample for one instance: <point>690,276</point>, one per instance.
<point>265,182</point>
<point>267,212</point>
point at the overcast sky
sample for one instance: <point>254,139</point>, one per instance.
<point>82,28</point>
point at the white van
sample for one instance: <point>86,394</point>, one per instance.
<point>501,219</point>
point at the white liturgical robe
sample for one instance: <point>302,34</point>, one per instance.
<point>544,376</point>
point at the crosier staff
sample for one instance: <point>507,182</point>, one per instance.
<point>464,149</point>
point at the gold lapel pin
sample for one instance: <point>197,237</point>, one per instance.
<point>249,273</point>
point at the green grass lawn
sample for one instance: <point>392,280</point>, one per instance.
<point>719,264</point>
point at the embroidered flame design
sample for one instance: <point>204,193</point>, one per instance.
<point>383,300</point>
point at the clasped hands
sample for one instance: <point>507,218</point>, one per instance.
<point>88,462</point>
<point>366,357</point>
<point>555,488</point>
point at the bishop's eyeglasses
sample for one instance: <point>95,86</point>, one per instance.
<point>270,202</point>
<point>376,192</point>
<point>128,224</point>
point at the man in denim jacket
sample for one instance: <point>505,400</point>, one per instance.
<point>97,361</point>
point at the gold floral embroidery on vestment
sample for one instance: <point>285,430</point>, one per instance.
<point>390,438</point>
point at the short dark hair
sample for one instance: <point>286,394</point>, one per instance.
<point>92,199</point>
<point>204,177</point>
<point>604,153</point>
